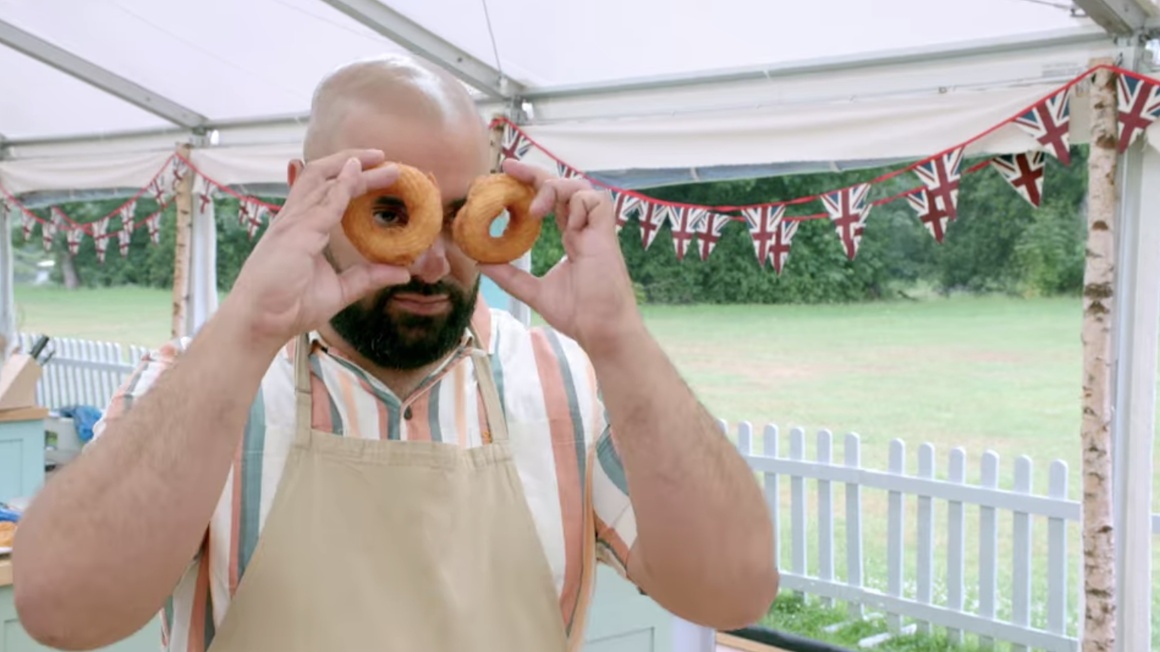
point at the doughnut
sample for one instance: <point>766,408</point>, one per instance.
<point>402,242</point>
<point>487,198</point>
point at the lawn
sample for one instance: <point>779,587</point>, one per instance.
<point>992,373</point>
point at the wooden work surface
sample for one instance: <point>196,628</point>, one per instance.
<point>5,571</point>
<point>730,643</point>
<point>23,414</point>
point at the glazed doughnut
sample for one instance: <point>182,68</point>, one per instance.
<point>402,242</point>
<point>488,197</point>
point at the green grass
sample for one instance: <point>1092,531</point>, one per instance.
<point>809,619</point>
<point>992,373</point>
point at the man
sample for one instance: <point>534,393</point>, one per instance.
<point>350,456</point>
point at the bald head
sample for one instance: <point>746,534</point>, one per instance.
<point>392,87</point>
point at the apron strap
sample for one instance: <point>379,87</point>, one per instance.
<point>302,395</point>
<point>492,409</point>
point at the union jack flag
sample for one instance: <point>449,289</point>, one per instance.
<point>26,220</point>
<point>100,240</point>
<point>126,232</point>
<point>1049,123</point>
<point>153,222</point>
<point>515,144</point>
<point>683,220</point>
<point>941,177</point>
<point>257,219</point>
<point>566,171</point>
<point>848,211</point>
<point>1024,172</point>
<point>708,229</point>
<point>764,225</point>
<point>932,217</point>
<point>245,212</point>
<point>1139,106</point>
<point>624,203</point>
<point>74,236</point>
<point>651,217</point>
<point>47,233</point>
<point>26,223</point>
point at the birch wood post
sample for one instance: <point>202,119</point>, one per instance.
<point>496,144</point>
<point>181,248</point>
<point>1099,631</point>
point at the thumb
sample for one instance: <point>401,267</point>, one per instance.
<point>515,281</point>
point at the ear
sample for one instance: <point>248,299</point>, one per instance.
<point>293,170</point>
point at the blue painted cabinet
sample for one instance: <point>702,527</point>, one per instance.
<point>624,620</point>
<point>21,453</point>
<point>13,638</point>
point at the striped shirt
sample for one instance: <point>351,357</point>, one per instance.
<point>556,422</point>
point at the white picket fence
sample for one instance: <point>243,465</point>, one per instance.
<point>1019,505</point>
<point>83,372</point>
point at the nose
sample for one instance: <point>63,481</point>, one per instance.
<point>432,265</point>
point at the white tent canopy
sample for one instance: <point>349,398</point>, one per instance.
<point>633,92</point>
<point>98,93</point>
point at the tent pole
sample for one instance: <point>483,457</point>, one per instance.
<point>181,248</point>
<point>1136,334</point>
<point>7,289</point>
<point>1099,577</point>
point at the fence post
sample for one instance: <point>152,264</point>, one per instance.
<point>854,525</point>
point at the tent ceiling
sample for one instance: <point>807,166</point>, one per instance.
<point>228,60</point>
<point>640,91</point>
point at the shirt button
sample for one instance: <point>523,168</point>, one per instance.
<point>407,414</point>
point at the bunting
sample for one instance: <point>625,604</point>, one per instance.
<point>1049,123</point>
<point>1139,106</point>
<point>934,200</point>
<point>100,241</point>
<point>125,235</point>
<point>763,223</point>
<point>651,217</point>
<point>683,220</point>
<point>153,223</point>
<point>1025,174</point>
<point>623,204</point>
<point>932,216</point>
<point>848,210</point>
<point>515,145</point>
<point>708,229</point>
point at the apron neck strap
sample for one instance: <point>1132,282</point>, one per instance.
<point>492,409</point>
<point>302,382</point>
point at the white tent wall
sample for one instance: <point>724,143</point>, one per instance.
<point>664,99</point>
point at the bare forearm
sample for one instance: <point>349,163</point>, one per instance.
<point>103,544</point>
<point>704,539</point>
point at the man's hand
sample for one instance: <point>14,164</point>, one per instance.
<point>287,286</point>
<point>588,296</point>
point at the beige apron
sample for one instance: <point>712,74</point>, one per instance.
<point>396,546</point>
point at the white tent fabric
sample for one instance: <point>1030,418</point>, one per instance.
<point>613,87</point>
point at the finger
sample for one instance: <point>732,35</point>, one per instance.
<point>319,171</point>
<point>554,194</point>
<point>515,281</point>
<point>360,280</point>
<point>535,176</point>
<point>579,207</point>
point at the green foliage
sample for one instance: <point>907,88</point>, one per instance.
<point>147,264</point>
<point>999,243</point>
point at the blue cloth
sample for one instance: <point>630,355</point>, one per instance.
<point>84,418</point>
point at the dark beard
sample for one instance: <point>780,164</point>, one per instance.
<point>409,341</point>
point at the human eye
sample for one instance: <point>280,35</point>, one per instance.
<point>389,213</point>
